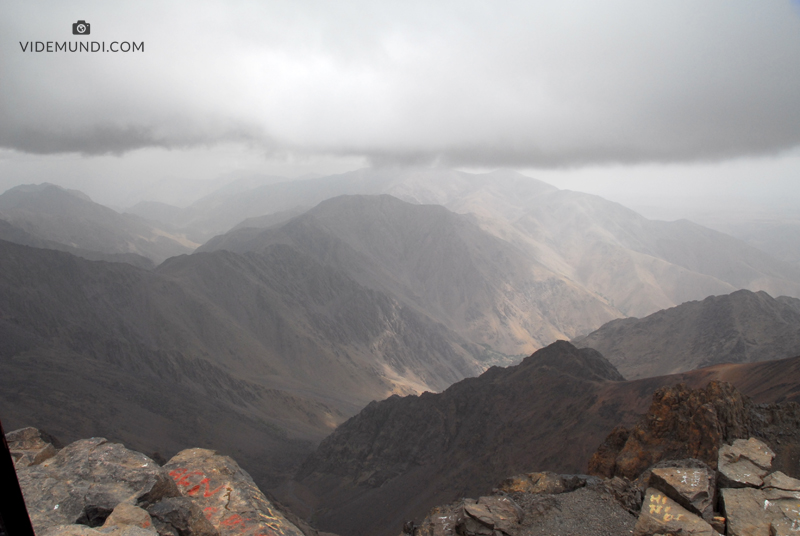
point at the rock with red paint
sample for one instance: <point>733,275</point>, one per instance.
<point>227,495</point>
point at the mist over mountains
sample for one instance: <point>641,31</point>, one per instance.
<point>309,299</point>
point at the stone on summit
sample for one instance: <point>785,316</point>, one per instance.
<point>744,463</point>
<point>86,480</point>
<point>227,494</point>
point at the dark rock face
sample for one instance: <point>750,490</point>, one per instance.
<point>681,423</point>
<point>85,481</point>
<point>519,509</point>
<point>399,457</point>
<point>180,516</point>
<point>414,452</point>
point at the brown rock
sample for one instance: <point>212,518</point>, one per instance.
<point>780,480</point>
<point>83,530</point>
<point>626,493</point>
<point>545,482</point>
<point>227,495</point>
<point>753,512</point>
<point>29,446</point>
<point>691,487</point>
<point>604,460</point>
<point>744,463</point>
<point>662,515</point>
<point>681,423</point>
<point>86,480</point>
<point>128,514</point>
<point>499,513</point>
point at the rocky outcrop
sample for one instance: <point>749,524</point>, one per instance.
<point>94,487</point>
<point>695,423</point>
<point>30,446</point>
<point>565,504</point>
<point>85,481</point>
<point>680,497</point>
<point>226,494</point>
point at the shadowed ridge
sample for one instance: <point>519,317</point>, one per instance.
<point>586,363</point>
<point>740,327</point>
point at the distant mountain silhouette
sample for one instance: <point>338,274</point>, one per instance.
<point>741,327</point>
<point>440,263</point>
<point>69,220</point>
<point>638,265</point>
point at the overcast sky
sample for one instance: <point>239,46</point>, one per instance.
<point>581,92</point>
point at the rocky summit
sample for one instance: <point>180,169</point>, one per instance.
<point>695,423</point>
<point>737,493</point>
<point>94,487</point>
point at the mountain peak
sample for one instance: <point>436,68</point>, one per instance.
<point>584,363</point>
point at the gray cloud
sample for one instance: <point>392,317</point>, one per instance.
<point>479,83</point>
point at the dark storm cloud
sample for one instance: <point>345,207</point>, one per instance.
<point>494,84</point>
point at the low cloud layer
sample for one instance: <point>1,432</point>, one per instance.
<point>478,83</point>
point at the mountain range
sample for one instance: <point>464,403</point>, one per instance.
<point>317,297</point>
<point>399,458</point>
<point>637,265</point>
<point>52,217</point>
<point>741,327</point>
<point>263,354</point>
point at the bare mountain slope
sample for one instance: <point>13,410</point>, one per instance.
<point>441,263</point>
<point>741,327</point>
<point>68,217</point>
<point>643,265</point>
<point>257,355</point>
<point>400,457</point>
<point>639,265</point>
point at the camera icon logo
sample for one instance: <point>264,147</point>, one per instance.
<point>80,28</point>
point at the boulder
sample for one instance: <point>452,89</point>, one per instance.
<point>694,488</point>
<point>127,514</point>
<point>487,516</point>
<point>86,480</point>
<point>779,480</point>
<point>229,498</point>
<point>29,446</point>
<point>754,512</point>
<point>744,463</point>
<point>83,530</point>
<point>662,515</point>
<point>180,516</point>
<point>545,482</point>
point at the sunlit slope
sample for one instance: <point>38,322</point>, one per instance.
<point>246,353</point>
<point>489,290</point>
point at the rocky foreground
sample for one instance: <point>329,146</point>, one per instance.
<point>700,462</point>
<point>684,469</point>
<point>93,487</point>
